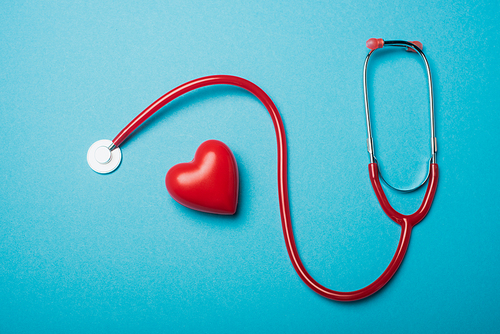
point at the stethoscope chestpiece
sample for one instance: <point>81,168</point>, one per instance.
<point>103,157</point>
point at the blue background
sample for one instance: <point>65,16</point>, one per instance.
<point>82,252</point>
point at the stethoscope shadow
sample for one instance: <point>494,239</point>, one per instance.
<point>182,102</point>
<point>216,221</point>
<point>378,61</point>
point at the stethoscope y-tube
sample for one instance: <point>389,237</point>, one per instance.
<point>406,222</point>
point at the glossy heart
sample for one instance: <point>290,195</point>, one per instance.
<point>209,183</point>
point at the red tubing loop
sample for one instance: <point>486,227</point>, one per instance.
<point>283,187</point>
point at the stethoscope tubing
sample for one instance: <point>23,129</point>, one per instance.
<point>284,206</point>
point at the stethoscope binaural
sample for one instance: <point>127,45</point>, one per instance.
<point>104,156</point>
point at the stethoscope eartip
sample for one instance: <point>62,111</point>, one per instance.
<point>103,157</point>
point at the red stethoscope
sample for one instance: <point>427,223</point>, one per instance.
<point>104,156</point>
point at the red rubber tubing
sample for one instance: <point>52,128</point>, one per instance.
<point>406,222</point>
<point>398,218</point>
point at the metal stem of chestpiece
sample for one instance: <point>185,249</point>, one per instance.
<point>374,44</point>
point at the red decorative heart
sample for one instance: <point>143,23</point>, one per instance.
<point>209,183</point>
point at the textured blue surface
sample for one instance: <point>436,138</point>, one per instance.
<point>82,252</point>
